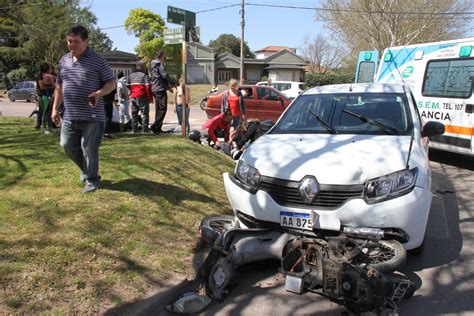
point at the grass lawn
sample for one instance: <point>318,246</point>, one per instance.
<point>65,252</point>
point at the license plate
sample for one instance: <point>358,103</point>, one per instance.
<point>296,220</point>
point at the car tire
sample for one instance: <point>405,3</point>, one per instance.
<point>12,99</point>
<point>213,226</point>
<point>32,98</point>
<point>203,104</point>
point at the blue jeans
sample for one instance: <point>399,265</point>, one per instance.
<point>179,113</point>
<point>81,141</point>
<point>124,111</point>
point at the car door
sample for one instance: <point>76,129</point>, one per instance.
<point>250,101</point>
<point>270,104</point>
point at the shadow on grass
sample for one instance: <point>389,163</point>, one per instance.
<point>147,188</point>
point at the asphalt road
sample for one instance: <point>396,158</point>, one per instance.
<point>443,271</point>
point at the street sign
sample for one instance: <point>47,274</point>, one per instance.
<point>176,35</point>
<point>181,16</point>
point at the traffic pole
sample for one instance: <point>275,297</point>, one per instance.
<point>184,98</point>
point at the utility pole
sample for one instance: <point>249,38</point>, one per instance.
<point>242,24</point>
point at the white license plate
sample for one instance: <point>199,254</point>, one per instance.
<point>296,220</point>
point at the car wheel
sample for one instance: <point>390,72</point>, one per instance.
<point>31,98</point>
<point>203,104</point>
<point>11,98</point>
<point>213,226</point>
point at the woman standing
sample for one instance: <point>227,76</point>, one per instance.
<point>179,92</point>
<point>234,101</point>
<point>45,89</point>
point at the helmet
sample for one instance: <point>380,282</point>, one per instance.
<point>195,136</point>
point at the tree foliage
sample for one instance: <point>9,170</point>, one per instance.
<point>148,27</point>
<point>228,43</point>
<point>34,32</point>
<point>377,24</point>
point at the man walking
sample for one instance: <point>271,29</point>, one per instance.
<point>141,96</point>
<point>84,77</point>
<point>161,82</point>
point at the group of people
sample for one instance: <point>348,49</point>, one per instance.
<point>85,87</point>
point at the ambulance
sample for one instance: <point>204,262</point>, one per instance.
<point>441,77</point>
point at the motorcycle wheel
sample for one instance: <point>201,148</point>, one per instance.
<point>213,226</point>
<point>385,255</point>
<point>203,104</point>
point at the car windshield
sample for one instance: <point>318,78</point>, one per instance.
<point>350,113</point>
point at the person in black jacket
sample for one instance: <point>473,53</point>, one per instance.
<point>160,83</point>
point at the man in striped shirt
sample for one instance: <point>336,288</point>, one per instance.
<point>140,92</point>
<point>84,77</point>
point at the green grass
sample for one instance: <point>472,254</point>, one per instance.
<point>65,252</point>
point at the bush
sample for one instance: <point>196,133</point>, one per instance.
<point>319,79</point>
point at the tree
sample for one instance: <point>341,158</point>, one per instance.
<point>321,54</point>
<point>377,24</point>
<point>228,43</point>
<point>34,32</point>
<point>148,27</point>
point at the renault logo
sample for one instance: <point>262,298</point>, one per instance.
<point>309,189</point>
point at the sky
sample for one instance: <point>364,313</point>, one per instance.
<point>264,26</point>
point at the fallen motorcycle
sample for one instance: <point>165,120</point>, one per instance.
<point>344,269</point>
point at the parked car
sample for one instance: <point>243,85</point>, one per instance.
<point>25,90</point>
<point>263,103</point>
<point>342,158</point>
<point>291,89</point>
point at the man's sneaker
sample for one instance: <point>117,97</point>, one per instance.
<point>90,187</point>
<point>107,135</point>
<point>146,131</point>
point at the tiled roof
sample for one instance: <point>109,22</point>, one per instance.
<point>274,49</point>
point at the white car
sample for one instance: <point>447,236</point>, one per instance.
<point>291,89</point>
<point>347,158</point>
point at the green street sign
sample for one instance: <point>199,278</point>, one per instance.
<point>181,16</point>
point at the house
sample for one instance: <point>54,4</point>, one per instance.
<point>120,61</point>
<point>206,68</point>
<point>263,53</point>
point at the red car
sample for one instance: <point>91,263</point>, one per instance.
<point>261,102</point>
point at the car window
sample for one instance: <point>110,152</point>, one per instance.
<point>29,85</point>
<point>365,113</point>
<point>247,93</point>
<point>19,85</point>
<point>302,86</point>
<point>267,94</point>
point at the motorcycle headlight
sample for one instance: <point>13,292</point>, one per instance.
<point>248,175</point>
<point>390,186</point>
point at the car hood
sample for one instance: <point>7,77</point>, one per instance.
<point>332,159</point>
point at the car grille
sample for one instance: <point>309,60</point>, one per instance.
<point>286,193</point>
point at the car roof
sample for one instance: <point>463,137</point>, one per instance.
<point>358,88</point>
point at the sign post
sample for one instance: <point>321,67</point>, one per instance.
<point>188,20</point>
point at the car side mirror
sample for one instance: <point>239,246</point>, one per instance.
<point>432,128</point>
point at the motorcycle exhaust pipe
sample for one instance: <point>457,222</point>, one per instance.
<point>366,232</point>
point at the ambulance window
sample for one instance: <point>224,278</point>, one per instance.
<point>366,72</point>
<point>449,78</point>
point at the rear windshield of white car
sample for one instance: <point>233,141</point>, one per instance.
<point>364,113</point>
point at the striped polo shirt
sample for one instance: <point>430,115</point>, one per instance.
<point>79,79</point>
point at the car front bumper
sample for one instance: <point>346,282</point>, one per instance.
<point>408,213</point>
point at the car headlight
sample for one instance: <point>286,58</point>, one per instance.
<point>390,186</point>
<point>248,175</point>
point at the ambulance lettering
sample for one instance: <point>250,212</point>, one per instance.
<point>435,115</point>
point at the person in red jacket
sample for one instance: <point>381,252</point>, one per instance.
<point>218,126</point>
<point>141,96</point>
